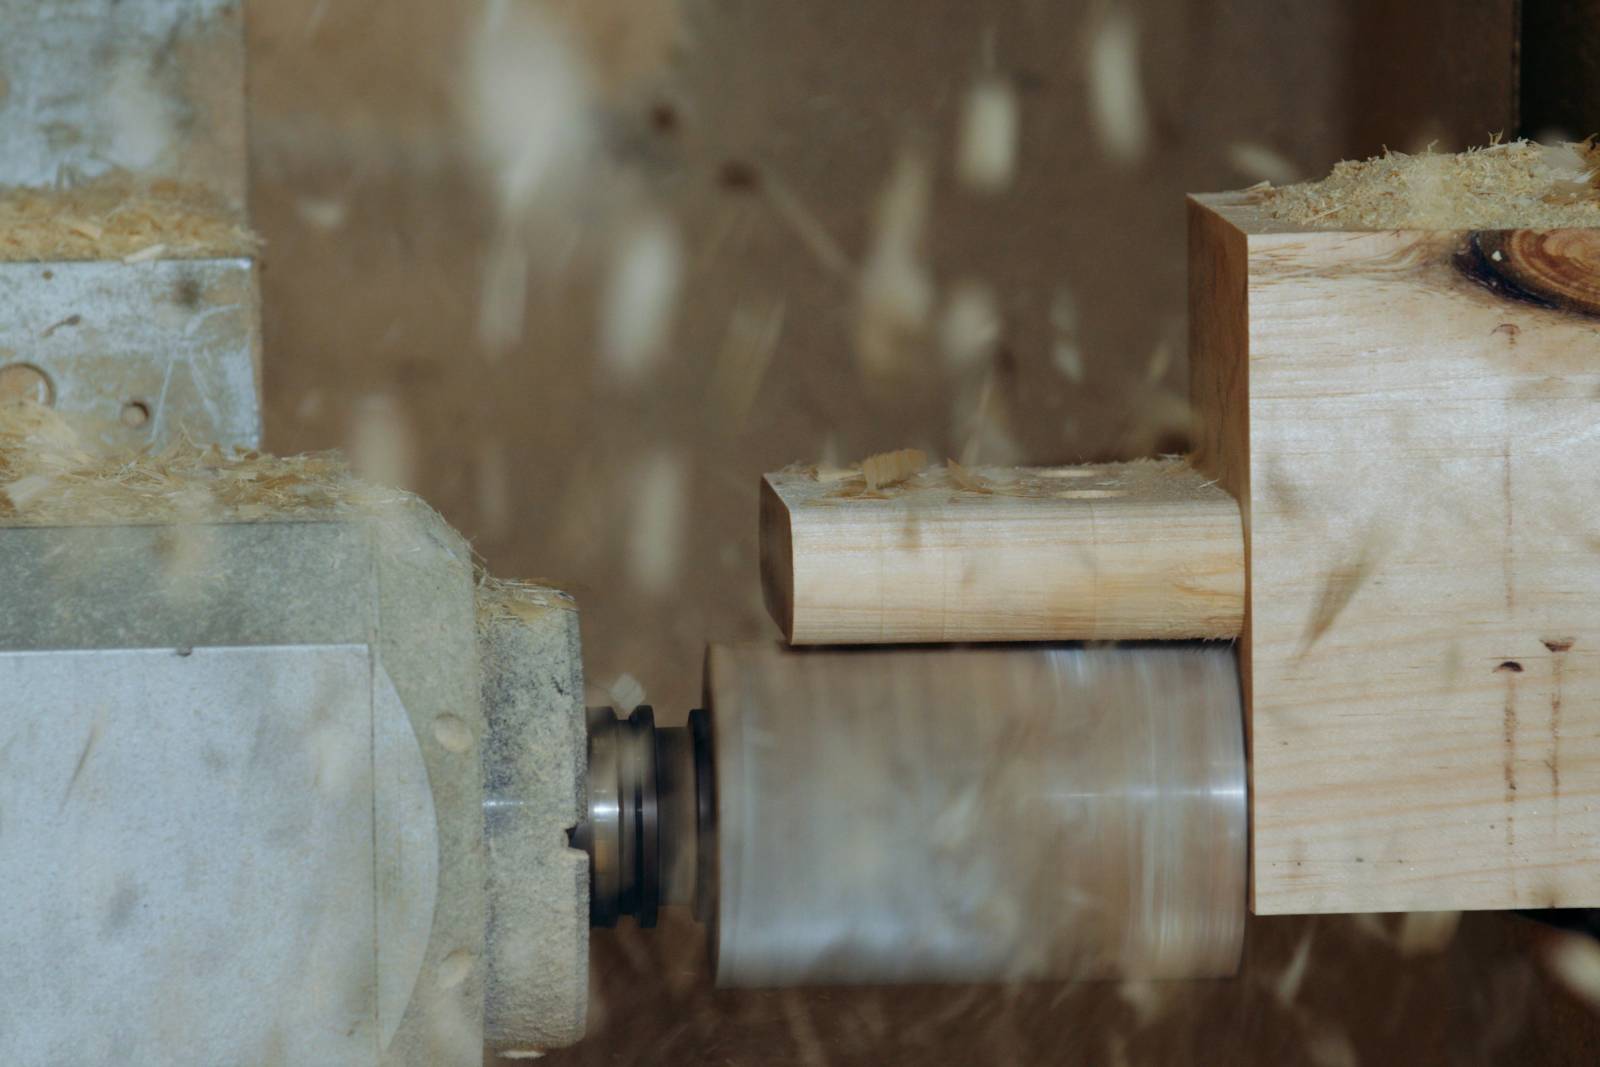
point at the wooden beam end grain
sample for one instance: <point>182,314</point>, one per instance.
<point>777,557</point>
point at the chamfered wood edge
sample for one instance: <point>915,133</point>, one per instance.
<point>777,557</point>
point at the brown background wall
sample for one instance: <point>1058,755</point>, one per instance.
<point>765,135</point>
<point>1560,62</point>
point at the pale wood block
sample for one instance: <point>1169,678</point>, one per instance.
<point>1121,551</point>
<point>1411,422</point>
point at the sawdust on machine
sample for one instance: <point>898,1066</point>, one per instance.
<point>49,475</point>
<point>1511,185</point>
<point>120,217</point>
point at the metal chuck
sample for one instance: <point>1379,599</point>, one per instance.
<point>650,822</point>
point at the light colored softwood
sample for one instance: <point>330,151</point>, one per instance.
<point>1121,551</point>
<point>1414,433</point>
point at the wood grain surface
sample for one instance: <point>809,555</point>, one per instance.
<point>1421,517</point>
<point>1122,551</point>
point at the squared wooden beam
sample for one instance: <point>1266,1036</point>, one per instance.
<point>1411,423</point>
<point>1120,551</point>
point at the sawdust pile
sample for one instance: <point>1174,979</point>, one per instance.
<point>1519,184</point>
<point>117,217</point>
<point>504,598</point>
<point>48,476</point>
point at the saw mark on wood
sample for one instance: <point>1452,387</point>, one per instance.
<point>1509,726</point>
<point>1559,647</point>
<point>1339,587</point>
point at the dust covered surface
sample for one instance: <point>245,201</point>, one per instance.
<point>1515,185</point>
<point>506,599</point>
<point>534,758</point>
<point>50,475</point>
<point>117,217</point>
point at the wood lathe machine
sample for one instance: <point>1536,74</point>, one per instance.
<point>283,780</point>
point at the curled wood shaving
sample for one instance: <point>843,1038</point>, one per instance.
<point>892,468</point>
<point>119,217</point>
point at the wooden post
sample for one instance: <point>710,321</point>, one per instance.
<point>1123,551</point>
<point>1408,419</point>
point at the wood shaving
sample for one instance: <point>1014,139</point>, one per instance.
<point>1424,933</point>
<point>641,300</point>
<point>117,217</point>
<point>965,478</point>
<point>746,353</point>
<point>380,442</point>
<point>48,476</point>
<point>1147,999</point>
<point>501,598</point>
<point>625,692</point>
<point>1515,185</point>
<point>1262,162</point>
<point>892,468</point>
<point>1576,962</point>
<point>1116,89</point>
<point>625,42</point>
<point>1330,1047</point>
<point>657,498</point>
<point>805,224</point>
<point>1065,351</point>
<point>1287,987</point>
<point>986,149</point>
<point>1371,924</point>
<point>895,295</point>
<point>145,254</point>
<point>987,422</point>
<point>969,329</point>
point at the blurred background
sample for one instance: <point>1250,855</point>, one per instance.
<point>579,271</point>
